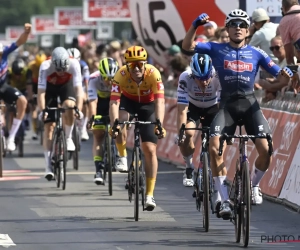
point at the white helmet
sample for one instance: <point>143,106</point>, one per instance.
<point>75,53</point>
<point>60,58</point>
<point>237,14</point>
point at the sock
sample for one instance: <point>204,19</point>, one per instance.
<point>189,161</point>
<point>257,176</point>
<point>221,187</point>
<point>122,149</point>
<point>47,158</point>
<point>14,129</point>
<point>84,123</point>
<point>150,185</point>
<point>97,161</point>
<point>68,131</point>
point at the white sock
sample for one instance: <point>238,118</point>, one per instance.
<point>68,131</point>
<point>221,187</point>
<point>14,129</point>
<point>84,123</point>
<point>189,161</point>
<point>47,158</point>
<point>257,175</point>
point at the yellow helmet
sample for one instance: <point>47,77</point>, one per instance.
<point>39,58</point>
<point>135,53</point>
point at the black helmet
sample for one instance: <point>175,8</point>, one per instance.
<point>17,66</point>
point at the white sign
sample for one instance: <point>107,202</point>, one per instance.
<point>273,7</point>
<point>291,187</point>
<point>46,41</point>
<point>105,30</point>
<point>44,24</point>
<point>70,34</point>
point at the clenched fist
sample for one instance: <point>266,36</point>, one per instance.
<point>27,28</point>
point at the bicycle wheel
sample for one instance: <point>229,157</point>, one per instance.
<point>110,162</point>
<point>75,153</point>
<point>137,183</point>
<point>237,208</point>
<point>1,153</point>
<point>62,158</point>
<point>205,188</point>
<point>246,194</point>
<point>3,145</point>
<point>54,159</point>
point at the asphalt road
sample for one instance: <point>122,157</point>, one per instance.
<point>35,215</point>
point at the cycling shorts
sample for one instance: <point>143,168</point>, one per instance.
<point>234,109</point>
<point>145,112</point>
<point>64,92</point>
<point>9,94</point>
<point>102,110</point>
<point>202,115</point>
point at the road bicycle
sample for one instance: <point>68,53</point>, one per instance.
<point>2,140</point>
<point>241,189</point>
<point>136,172</point>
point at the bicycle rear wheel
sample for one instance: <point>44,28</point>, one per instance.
<point>54,158</point>
<point>246,209</point>
<point>1,153</point>
<point>75,153</point>
<point>205,185</point>
<point>137,183</point>
<point>62,157</point>
<point>110,163</point>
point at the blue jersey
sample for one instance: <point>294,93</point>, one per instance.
<point>237,67</point>
<point>84,70</point>
<point>4,63</point>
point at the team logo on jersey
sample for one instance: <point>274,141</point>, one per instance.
<point>115,88</point>
<point>123,73</point>
<point>271,64</point>
<point>238,66</point>
<point>160,86</point>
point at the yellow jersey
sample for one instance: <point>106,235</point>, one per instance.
<point>35,71</point>
<point>19,82</point>
<point>149,89</point>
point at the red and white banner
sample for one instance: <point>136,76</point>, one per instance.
<point>12,33</point>
<point>44,25</point>
<point>71,18</point>
<point>106,10</point>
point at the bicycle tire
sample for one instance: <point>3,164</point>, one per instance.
<point>136,183</point>
<point>3,146</point>
<point>1,153</point>
<point>205,186</point>
<point>21,147</point>
<point>63,159</point>
<point>75,153</point>
<point>237,209</point>
<point>110,163</point>
<point>54,159</point>
<point>247,203</point>
<point>41,131</point>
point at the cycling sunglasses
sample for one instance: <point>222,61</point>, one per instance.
<point>236,24</point>
<point>272,48</point>
<point>205,78</point>
<point>107,78</point>
<point>133,65</point>
<point>61,69</point>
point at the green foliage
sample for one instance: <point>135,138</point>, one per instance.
<point>18,12</point>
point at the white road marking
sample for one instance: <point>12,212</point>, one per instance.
<point>6,241</point>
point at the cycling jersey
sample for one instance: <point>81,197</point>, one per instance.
<point>237,67</point>
<point>20,82</point>
<point>97,87</point>
<point>149,89</point>
<point>3,62</point>
<point>188,91</point>
<point>48,74</point>
<point>85,73</point>
<point>35,71</point>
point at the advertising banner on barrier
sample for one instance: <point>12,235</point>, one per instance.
<point>44,24</point>
<point>272,7</point>
<point>71,18</point>
<point>12,33</point>
<point>106,10</point>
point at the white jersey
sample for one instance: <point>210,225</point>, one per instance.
<point>48,74</point>
<point>97,87</point>
<point>188,91</point>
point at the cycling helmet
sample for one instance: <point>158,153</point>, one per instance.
<point>75,53</point>
<point>201,66</point>
<point>108,67</point>
<point>135,53</point>
<point>17,66</point>
<point>60,58</point>
<point>237,14</point>
<point>39,58</point>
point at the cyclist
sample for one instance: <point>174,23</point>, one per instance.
<point>60,77</point>
<point>138,89</point>
<point>34,66</point>
<point>8,93</point>
<point>99,96</point>
<point>236,64</point>
<point>85,73</point>
<point>198,94</point>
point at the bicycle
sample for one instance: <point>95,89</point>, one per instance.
<point>2,140</point>
<point>109,149</point>
<point>241,188</point>
<point>136,175</point>
<point>203,185</point>
<point>58,153</point>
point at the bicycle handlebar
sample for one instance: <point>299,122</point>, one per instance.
<point>183,128</point>
<point>226,137</point>
<point>62,110</point>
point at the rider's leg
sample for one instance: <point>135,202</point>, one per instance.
<point>98,136</point>
<point>48,133</point>
<point>83,123</point>
<point>69,123</point>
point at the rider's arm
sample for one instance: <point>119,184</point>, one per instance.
<point>92,97</point>
<point>182,101</point>
<point>24,36</point>
<point>42,85</point>
<point>115,96</point>
<point>159,97</point>
<point>77,83</point>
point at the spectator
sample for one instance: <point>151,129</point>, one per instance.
<point>178,65</point>
<point>210,29</point>
<point>265,30</point>
<point>114,51</point>
<point>289,28</point>
<point>173,52</point>
<point>224,37</point>
<point>278,50</point>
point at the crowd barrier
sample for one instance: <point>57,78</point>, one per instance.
<point>282,179</point>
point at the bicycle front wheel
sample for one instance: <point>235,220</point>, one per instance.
<point>75,153</point>
<point>205,188</point>
<point>55,158</point>
<point>137,183</point>
<point>62,158</point>
<point>1,152</point>
<point>246,208</point>
<point>110,163</point>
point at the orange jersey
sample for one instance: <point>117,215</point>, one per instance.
<point>149,89</point>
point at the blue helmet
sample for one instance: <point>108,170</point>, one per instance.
<point>201,66</point>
